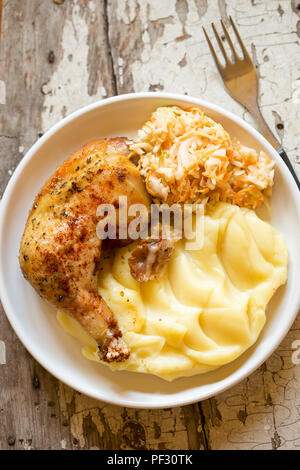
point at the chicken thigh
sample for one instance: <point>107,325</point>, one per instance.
<point>60,251</point>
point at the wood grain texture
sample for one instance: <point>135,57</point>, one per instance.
<point>57,56</point>
<point>0,15</point>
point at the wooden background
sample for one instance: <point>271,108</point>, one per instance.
<point>58,55</point>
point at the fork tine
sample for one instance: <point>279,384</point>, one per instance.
<point>229,40</point>
<point>244,50</point>
<point>218,64</point>
<point>220,43</point>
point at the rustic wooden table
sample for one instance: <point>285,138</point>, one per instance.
<point>58,55</point>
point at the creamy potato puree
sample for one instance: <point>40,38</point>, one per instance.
<point>208,308</point>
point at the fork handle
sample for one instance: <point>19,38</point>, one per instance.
<point>287,161</point>
<point>268,134</point>
<point>263,126</point>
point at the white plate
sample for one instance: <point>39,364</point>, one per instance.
<point>35,322</point>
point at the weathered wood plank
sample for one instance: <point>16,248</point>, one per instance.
<point>0,15</point>
<point>263,411</point>
<point>95,425</point>
<point>29,408</point>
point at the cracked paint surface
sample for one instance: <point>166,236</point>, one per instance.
<point>67,88</point>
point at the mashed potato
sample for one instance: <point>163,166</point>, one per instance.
<point>208,308</point>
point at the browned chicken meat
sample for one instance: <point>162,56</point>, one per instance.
<point>60,251</point>
<point>150,258</point>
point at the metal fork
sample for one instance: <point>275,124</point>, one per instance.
<point>240,79</point>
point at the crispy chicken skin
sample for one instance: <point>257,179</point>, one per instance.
<point>60,251</point>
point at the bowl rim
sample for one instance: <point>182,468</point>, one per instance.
<point>4,295</point>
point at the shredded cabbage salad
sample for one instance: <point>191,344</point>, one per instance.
<point>186,157</point>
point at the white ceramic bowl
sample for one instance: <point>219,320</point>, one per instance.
<point>35,322</point>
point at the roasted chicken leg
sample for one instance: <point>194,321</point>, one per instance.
<point>60,251</point>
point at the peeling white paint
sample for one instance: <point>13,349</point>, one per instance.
<point>296,91</point>
<point>103,91</point>
<point>146,53</point>
<point>92,10</point>
<point>92,6</point>
<point>120,70</point>
<point>2,353</point>
<point>2,92</point>
<point>63,444</point>
<point>127,11</point>
<point>21,149</point>
<point>296,354</point>
<point>159,9</point>
<point>27,445</point>
<point>67,89</point>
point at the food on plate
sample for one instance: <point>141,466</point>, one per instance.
<point>60,251</point>
<point>186,157</point>
<point>207,308</point>
<point>151,304</point>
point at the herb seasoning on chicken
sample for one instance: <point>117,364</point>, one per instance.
<point>60,251</point>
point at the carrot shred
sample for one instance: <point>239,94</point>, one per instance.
<point>186,157</point>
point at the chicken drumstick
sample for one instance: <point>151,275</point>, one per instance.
<point>60,251</point>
